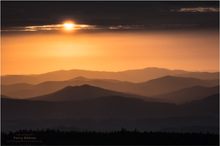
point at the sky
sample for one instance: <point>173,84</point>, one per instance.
<point>109,36</point>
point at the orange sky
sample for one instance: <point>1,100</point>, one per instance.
<point>30,53</point>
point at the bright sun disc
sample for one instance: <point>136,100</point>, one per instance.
<point>68,26</point>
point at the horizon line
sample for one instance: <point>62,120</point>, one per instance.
<point>30,74</point>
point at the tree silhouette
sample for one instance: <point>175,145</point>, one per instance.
<point>51,137</point>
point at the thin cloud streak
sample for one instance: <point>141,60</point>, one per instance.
<point>57,27</point>
<point>197,10</point>
<point>52,27</point>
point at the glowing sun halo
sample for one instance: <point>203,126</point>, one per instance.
<point>68,26</point>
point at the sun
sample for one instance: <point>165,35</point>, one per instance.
<point>68,25</point>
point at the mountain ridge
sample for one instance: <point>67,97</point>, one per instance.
<point>149,88</point>
<point>85,91</point>
<point>188,94</point>
<point>136,75</point>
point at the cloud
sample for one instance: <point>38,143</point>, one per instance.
<point>57,27</point>
<point>197,10</point>
<point>123,27</point>
<point>52,27</point>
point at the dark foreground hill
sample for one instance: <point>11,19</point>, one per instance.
<point>54,137</point>
<point>112,113</point>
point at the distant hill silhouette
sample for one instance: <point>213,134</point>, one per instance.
<point>168,84</point>
<point>189,94</point>
<point>111,113</point>
<point>138,75</point>
<point>52,86</point>
<point>82,92</point>
<point>6,97</point>
<point>150,88</point>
